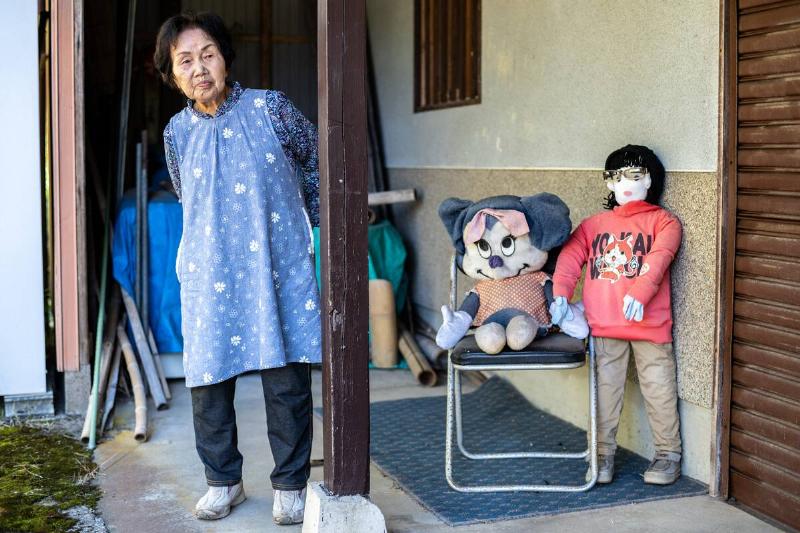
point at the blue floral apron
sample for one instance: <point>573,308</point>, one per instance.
<point>249,297</point>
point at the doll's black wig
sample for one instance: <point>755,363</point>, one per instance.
<point>637,156</point>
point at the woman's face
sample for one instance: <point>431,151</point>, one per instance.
<point>199,68</point>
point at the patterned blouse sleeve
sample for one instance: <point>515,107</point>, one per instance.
<point>298,137</point>
<point>172,159</point>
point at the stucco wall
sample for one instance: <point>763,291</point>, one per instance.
<point>22,358</point>
<point>563,84</point>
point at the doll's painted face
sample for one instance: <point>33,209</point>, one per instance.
<point>628,183</point>
<point>499,255</point>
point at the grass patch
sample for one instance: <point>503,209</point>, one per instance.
<point>42,474</point>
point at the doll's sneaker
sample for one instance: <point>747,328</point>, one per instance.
<point>218,501</point>
<point>665,469</point>
<point>288,506</point>
<point>605,469</point>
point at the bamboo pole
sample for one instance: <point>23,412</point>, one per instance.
<point>417,362</point>
<point>98,345</point>
<point>111,390</point>
<point>436,356</point>
<point>146,356</point>
<point>159,367</point>
<point>139,396</point>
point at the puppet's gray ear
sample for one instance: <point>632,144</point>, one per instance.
<point>550,217</point>
<point>452,212</point>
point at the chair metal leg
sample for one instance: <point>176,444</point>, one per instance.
<point>448,445</point>
<point>454,412</point>
<point>506,455</point>
<point>592,415</point>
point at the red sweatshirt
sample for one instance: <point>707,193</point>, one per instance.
<point>626,251</point>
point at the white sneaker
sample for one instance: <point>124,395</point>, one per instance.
<point>288,506</point>
<point>218,501</point>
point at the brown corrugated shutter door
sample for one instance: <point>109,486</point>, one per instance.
<point>765,395</point>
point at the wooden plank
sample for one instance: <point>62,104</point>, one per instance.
<point>392,197</point>
<point>770,18</point>
<point>754,378</point>
<point>768,244</point>
<point>748,4</point>
<point>776,408</point>
<point>770,63</point>
<point>766,336</point>
<point>769,268</point>
<point>770,181</point>
<point>766,312</point>
<point>770,204</point>
<point>766,499</point>
<point>766,290</point>
<point>343,214</point>
<point>430,50</point>
<point>770,134</point>
<point>727,166</point>
<point>769,157</point>
<point>448,50</point>
<point>786,362</point>
<point>70,313</point>
<point>469,16</point>
<point>756,224</point>
<point>774,40</point>
<point>420,78</point>
<point>756,446</point>
<point>770,88</point>
<point>768,428</point>
<point>775,476</point>
<point>778,109</point>
<point>766,473</point>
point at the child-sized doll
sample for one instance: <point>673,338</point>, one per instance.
<point>627,252</point>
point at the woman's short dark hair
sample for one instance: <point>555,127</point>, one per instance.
<point>211,23</point>
<point>637,156</point>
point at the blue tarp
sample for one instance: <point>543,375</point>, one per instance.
<point>387,256</point>
<point>165,226</point>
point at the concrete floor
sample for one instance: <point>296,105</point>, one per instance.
<point>152,487</point>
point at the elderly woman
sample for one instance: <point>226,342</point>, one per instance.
<point>244,165</point>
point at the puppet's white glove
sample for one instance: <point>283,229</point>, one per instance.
<point>632,308</point>
<point>560,310</point>
<point>454,327</point>
<point>575,324</point>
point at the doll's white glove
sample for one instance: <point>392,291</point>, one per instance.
<point>560,310</point>
<point>575,324</point>
<point>454,327</point>
<point>632,308</point>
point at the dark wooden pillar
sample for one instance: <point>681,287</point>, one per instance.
<point>343,215</point>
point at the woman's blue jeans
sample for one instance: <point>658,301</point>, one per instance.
<point>287,394</point>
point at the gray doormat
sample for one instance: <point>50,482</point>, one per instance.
<point>407,444</point>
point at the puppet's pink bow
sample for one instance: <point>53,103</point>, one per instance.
<point>514,221</point>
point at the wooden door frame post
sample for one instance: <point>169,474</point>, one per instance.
<point>342,62</point>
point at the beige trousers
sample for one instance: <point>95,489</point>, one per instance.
<point>655,365</point>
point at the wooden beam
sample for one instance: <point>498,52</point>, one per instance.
<point>68,205</point>
<point>392,197</point>
<point>342,75</point>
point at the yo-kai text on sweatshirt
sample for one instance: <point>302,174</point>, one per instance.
<point>627,251</point>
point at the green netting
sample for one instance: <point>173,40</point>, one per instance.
<point>387,257</point>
